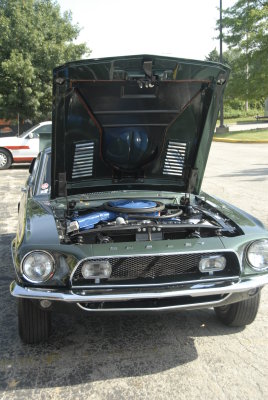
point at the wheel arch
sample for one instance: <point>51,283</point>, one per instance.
<point>7,150</point>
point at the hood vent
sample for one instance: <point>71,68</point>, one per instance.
<point>83,160</point>
<point>175,158</point>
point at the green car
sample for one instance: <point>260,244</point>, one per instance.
<point>112,218</point>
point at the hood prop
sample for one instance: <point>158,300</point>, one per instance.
<point>150,79</point>
<point>148,69</point>
<point>193,175</point>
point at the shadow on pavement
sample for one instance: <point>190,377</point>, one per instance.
<point>20,166</point>
<point>261,173</point>
<point>249,172</point>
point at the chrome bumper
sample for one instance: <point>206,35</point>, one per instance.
<point>197,289</point>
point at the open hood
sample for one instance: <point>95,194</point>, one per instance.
<point>133,122</point>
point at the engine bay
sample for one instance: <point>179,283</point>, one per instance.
<point>136,220</point>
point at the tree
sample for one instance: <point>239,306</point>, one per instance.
<point>213,56</point>
<point>231,57</point>
<point>35,38</point>
<point>246,30</point>
<point>228,56</point>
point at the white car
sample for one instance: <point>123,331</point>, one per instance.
<point>25,147</point>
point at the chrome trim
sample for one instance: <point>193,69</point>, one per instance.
<point>246,255</point>
<point>156,254</point>
<point>195,290</point>
<point>38,251</point>
<point>12,246</point>
<point>149,285</point>
<point>206,304</point>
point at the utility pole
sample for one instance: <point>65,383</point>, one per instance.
<point>222,128</point>
<point>221,108</point>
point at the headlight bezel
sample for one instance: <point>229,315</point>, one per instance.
<point>51,274</point>
<point>257,269</point>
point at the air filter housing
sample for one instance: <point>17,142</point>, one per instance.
<point>135,206</point>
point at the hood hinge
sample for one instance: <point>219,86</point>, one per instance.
<point>62,185</point>
<point>193,174</point>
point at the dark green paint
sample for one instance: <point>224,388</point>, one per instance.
<point>37,228</point>
<point>40,233</point>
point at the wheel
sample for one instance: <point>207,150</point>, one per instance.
<point>34,323</point>
<point>5,159</point>
<point>241,313</point>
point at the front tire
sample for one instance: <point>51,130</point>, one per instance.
<point>5,159</point>
<point>239,314</point>
<point>34,323</point>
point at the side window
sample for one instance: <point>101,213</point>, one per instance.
<point>44,181</point>
<point>32,170</point>
<point>35,165</point>
<point>45,129</point>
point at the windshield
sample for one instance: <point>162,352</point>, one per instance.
<point>28,130</point>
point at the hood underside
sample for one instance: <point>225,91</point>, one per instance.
<point>133,122</point>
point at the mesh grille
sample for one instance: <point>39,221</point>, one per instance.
<point>83,160</point>
<point>159,266</point>
<point>175,158</point>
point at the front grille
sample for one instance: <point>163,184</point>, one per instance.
<point>160,267</point>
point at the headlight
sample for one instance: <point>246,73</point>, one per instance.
<point>257,255</point>
<point>38,266</point>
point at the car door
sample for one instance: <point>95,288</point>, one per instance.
<point>32,140</point>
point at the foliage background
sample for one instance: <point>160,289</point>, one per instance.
<point>35,37</point>
<point>245,31</point>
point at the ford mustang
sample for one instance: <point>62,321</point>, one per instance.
<point>113,219</point>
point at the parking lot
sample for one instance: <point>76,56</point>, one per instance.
<point>179,355</point>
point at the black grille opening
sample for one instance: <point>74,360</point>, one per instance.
<point>160,268</point>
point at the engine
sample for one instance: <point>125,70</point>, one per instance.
<point>127,220</point>
<point>122,212</point>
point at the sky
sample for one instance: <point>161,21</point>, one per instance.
<point>181,28</point>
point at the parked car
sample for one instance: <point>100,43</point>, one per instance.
<point>25,147</point>
<point>112,217</point>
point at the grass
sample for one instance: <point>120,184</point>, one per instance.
<point>229,121</point>
<point>255,134</point>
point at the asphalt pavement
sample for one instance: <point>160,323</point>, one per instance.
<point>179,355</point>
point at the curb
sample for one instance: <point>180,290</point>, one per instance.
<point>239,140</point>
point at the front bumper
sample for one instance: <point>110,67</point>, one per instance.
<point>180,296</point>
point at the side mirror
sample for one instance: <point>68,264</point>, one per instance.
<point>30,136</point>
<point>29,183</point>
